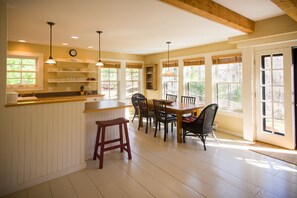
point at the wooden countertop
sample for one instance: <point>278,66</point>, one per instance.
<point>52,100</point>
<point>105,105</point>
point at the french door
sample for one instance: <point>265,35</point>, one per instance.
<point>274,97</point>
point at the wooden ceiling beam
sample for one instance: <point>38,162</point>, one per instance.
<point>215,12</point>
<point>288,6</point>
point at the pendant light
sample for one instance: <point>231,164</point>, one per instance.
<point>168,73</point>
<point>99,63</point>
<point>50,60</point>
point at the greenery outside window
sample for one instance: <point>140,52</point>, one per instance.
<point>228,78</point>
<point>24,71</point>
<point>194,77</point>
<point>133,79</point>
<point>109,80</point>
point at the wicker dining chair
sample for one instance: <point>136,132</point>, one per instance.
<point>202,126</point>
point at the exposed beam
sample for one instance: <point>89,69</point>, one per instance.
<point>215,12</point>
<point>288,6</point>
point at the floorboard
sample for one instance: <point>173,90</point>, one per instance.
<point>168,169</point>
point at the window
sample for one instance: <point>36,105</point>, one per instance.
<point>272,94</point>
<point>170,84</point>
<point>132,79</point>
<point>109,80</point>
<point>228,82</point>
<point>194,77</point>
<point>24,71</point>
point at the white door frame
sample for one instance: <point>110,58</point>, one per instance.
<point>288,140</point>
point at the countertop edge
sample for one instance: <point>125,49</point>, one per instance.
<point>45,101</point>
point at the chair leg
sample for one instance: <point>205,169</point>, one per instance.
<point>146,126</point>
<point>203,139</point>
<point>139,122</point>
<point>133,117</point>
<point>165,131</point>
<point>156,128</point>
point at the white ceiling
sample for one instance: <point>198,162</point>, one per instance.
<point>129,26</point>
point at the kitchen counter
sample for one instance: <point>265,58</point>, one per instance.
<point>105,105</point>
<point>33,101</point>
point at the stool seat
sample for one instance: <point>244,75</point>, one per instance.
<point>113,122</point>
<point>101,142</point>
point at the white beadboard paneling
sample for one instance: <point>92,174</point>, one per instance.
<point>41,142</point>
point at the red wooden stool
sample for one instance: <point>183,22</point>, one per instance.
<point>101,131</point>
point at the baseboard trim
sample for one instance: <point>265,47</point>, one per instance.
<point>42,179</point>
<point>230,132</point>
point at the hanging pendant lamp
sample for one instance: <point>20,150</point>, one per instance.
<point>99,63</point>
<point>168,73</point>
<point>50,60</point>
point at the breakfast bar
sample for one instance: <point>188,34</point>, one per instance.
<point>102,110</point>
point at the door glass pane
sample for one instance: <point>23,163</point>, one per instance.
<point>278,78</point>
<point>279,126</point>
<point>272,90</point>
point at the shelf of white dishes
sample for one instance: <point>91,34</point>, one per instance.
<point>73,81</point>
<point>72,72</point>
<point>74,60</point>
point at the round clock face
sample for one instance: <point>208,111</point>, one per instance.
<point>72,52</point>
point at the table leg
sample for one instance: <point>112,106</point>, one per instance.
<point>179,127</point>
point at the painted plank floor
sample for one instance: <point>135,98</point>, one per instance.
<point>168,169</point>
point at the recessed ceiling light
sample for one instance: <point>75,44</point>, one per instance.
<point>64,43</point>
<point>22,41</point>
<point>74,37</point>
<point>90,47</point>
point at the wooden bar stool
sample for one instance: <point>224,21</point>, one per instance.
<point>101,143</point>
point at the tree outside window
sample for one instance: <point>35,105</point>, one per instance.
<point>228,78</point>
<point>194,77</point>
<point>132,81</point>
<point>109,83</point>
<point>22,72</point>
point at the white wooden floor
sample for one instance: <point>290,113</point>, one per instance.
<point>159,169</point>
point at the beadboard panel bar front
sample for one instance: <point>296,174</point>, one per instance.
<point>42,142</point>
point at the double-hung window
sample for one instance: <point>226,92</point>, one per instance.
<point>194,78</point>
<point>170,83</point>
<point>228,78</point>
<point>109,80</point>
<point>133,78</point>
<point>24,71</point>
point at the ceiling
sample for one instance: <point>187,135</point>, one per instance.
<point>129,26</point>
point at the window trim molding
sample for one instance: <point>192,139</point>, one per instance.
<point>39,71</point>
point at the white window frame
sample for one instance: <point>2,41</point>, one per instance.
<point>173,79</point>
<point>132,81</point>
<point>239,111</point>
<point>39,71</point>
<point>109,81</point>
<point>186,90</point>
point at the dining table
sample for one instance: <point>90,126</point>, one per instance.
<point>179,109</point>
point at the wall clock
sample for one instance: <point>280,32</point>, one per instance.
<point>72,52</point>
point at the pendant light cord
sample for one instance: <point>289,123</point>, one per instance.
<point>99,52</point>
<point>51,30</point>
